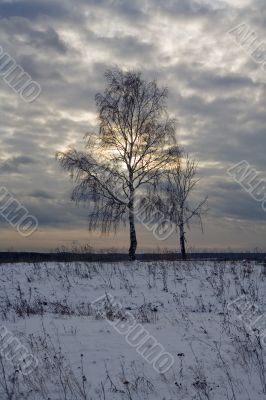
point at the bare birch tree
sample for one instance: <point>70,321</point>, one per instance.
<point>174,198</point>
<point>134,145</point>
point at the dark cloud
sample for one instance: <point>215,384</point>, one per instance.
<point>15,164</point>
<point>32,9</point>
<point>41,194</point>
<point>185,8</point>
<point>29,37</point>
<point>43,40</point>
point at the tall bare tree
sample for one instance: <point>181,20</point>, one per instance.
<point>134,145</point>
<point>173,199</point>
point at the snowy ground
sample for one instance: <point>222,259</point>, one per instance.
<point>218,351</point>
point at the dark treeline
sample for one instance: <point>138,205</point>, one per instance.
<point>31,257</point>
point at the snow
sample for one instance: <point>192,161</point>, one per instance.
<point>183,305</point>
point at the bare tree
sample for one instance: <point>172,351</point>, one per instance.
<point>133,147</point>
<point>173,198</point>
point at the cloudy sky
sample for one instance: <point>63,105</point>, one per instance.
<point>216,91</point>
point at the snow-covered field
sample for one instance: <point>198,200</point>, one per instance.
<point>218,351</point>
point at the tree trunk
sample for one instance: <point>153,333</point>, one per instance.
<point>132,229</point>
<point>183,242</point>
<point>133,236</point>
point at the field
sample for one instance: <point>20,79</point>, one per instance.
<point>73,331</point>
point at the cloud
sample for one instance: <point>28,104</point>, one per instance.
<point>41,194</point>
<point>15,163</point>
<point>32,9</point>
